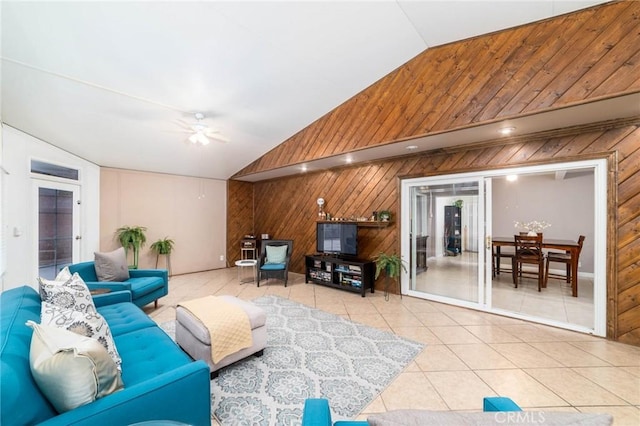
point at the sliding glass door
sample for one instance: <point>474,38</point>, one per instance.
<point>452,226</point>
<point>441,231</point>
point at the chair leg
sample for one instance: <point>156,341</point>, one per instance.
<point>546,273</point>
<point>569,272</point>
<point>155,304</point>
<point>514,272</point>
<point>540,274</point>
<point>493,266</point>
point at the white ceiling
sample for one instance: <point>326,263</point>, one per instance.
<point>108,81</point>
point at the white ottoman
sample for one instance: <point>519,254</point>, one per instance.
<point>193,337</point>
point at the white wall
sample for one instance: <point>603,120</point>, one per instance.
<point>19,204</point>
<point>191,211</point>
<point>566,203</point>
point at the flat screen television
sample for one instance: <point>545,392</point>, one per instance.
<point>337,238</point>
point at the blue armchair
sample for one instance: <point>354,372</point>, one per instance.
<point>278,268</point>
<point>145,285</point>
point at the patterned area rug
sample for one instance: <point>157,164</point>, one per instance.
<point>309,354</point>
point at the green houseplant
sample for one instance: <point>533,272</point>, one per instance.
<point>392,265</point>
<point>132,237</point>
<point>164,247</point>
<point>384,215</point>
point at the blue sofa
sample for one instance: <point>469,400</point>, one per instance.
<point>317,413</point>
<point>161,382</point>
<point>145,285</point>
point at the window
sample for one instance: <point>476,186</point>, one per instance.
<point>48,169</point>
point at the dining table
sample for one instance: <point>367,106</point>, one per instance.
<point>568,246</point>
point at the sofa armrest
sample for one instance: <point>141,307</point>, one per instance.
<point>111,298</point>
<point>180,395</point>
<point>316,412</point>
<point>141,273</point>
<point>499,403</point>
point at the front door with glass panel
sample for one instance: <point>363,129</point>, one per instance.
<point>58,236</point>
<point>441,231</point>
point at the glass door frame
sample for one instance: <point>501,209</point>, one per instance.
<point>407,226</point>
<point>600,170</point>
<point>76,241</point>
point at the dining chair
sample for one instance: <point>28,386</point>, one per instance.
<point>508,254</point>
<point>528,251</point>
<point>274,259</point>
<point>565,258</point>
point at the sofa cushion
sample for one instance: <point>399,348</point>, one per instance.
<point>144,285</point>
<point>72,293</point>
<point>124,318</point>
<point>70,369</point>
<point>147,353</point>
<point>86,324</point>
<point>112,266</point>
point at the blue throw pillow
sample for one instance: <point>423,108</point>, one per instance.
<point>276,254</point>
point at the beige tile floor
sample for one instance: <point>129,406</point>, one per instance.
<point>468,354</point>
<point>456,277</point>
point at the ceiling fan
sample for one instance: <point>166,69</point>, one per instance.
<point>201,133</point>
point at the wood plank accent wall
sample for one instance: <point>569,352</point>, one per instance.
<point>240,218</point>
<point>566,60</point>
<point>288,207</point>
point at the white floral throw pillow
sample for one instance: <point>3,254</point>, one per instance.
<point>90,324</point>
<point>71,293</point>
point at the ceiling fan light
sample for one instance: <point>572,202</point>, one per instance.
<point>193,138</point>
<point>203,139</point>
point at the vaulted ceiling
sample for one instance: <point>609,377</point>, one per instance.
<point>117,82</point>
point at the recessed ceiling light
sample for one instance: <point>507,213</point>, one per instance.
<point>512,178</point>
<point>303,168</point>
<point>348,160</point>
<point>506,131</point>
<point>412,147</point>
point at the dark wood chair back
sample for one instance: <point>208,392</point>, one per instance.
<point>528,250</point>
<point>529,246</point>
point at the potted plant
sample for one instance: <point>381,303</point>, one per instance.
<point>384,215</point>
<point>132,237</point>
<point>165,247</point>
<point>392,265</point>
